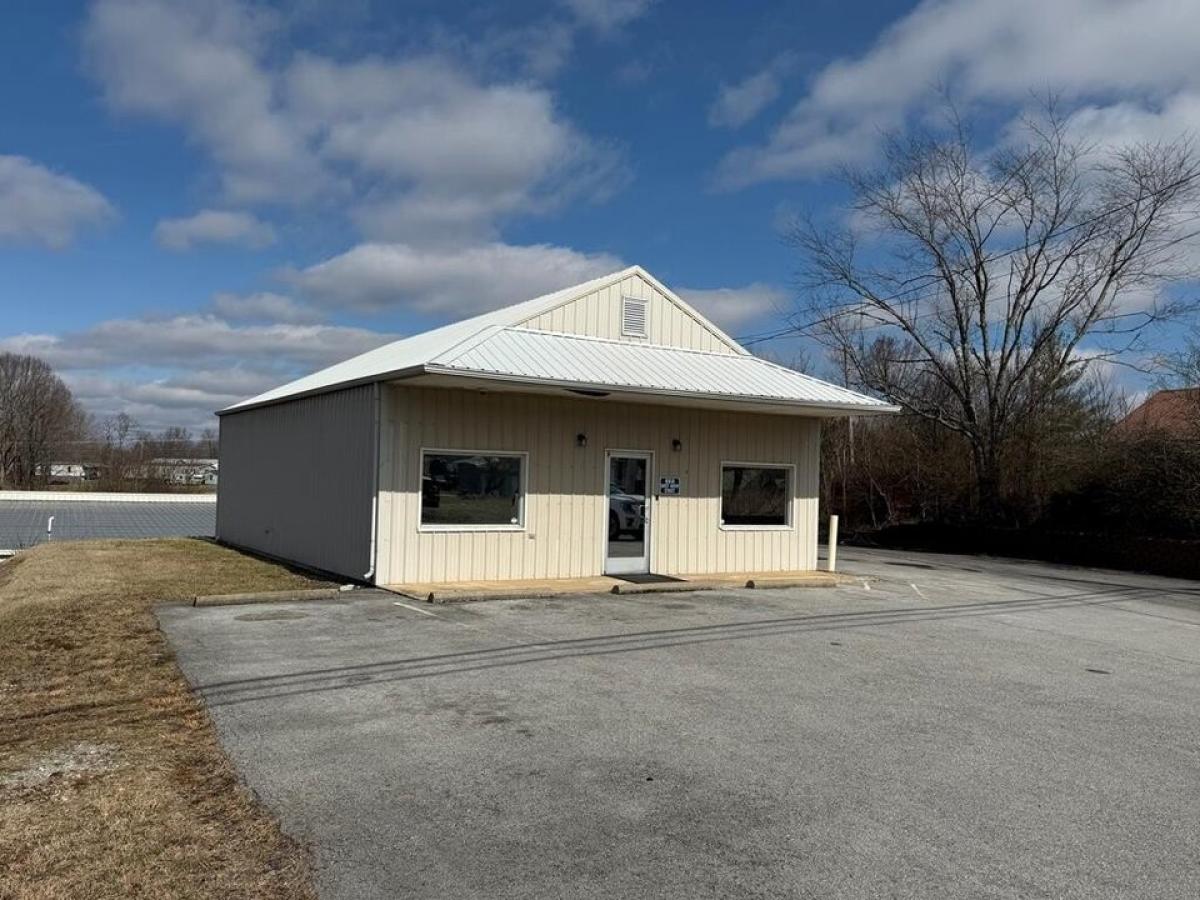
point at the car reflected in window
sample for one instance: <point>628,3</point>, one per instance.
<point>626,514</point>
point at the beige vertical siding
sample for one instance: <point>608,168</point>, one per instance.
<point>297,480</point>
<point>598,314</point>
<point>566,505</point>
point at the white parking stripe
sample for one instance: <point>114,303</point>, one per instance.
<point>418,609</point>
<point>434,615</point>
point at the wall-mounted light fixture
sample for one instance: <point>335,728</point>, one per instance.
<point>676,445</point>
<point>581,440</point>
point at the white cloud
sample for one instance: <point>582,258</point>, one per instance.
<point>737,104</point>
<point>214,226</point>
<point>732,308</point>
<point>199,64</point>
<point>263,306</point>
<point>450,282</point>
<point>608,15</point>
<point>539,50</point>
<point>1088,51</point>
<point>184,399</point>
<point>1128,122</point>
<point>237,381</point>
<point>397,141</point>
<point>194,340</point>
<point>179,370</point>
<point>40,206</point>
<point>446,154</point>
<point>105,396</point>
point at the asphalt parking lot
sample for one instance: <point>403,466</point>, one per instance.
<point>954,727</point>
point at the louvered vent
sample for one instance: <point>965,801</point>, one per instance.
<point>633,317</point>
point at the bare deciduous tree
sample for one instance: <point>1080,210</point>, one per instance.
<point>971,289</point>
<point>119,454</point>
<point>209,443</point>
<point>37,416</point>
<point>118,430</point>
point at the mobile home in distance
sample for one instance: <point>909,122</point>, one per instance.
<point>607,428</point>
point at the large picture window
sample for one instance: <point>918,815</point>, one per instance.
<point>753,495</point>
<point>472,490</point>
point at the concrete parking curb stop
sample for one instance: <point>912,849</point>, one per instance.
<point>669,587</point>
<point>817,579</point>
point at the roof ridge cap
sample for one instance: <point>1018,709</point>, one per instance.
<point>469,342</point>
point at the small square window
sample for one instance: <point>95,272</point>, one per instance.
<point>633,317</point>
<point>755,496</point>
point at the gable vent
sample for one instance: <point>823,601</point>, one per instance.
<point>633,317</point>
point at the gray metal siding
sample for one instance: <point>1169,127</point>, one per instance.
<point>297,480</point>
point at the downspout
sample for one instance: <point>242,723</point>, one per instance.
<point>369,575</point>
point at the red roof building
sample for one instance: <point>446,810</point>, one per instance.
<point>1176,412</point>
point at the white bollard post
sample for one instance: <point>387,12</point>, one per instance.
<point>831,557</point>
<point>49,528</point>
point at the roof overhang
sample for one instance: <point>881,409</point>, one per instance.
<point>395,375</point>
<point>437,376</point>
<point>489,382</point>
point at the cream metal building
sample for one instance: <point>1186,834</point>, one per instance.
<point>607,428</point>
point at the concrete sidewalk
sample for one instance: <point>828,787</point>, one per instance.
<point>462,591</point>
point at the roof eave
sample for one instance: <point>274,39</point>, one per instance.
<point>598,387</point>
<point>393,375</point>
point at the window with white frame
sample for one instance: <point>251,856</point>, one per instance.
<point>754,495</point>
<point>464,489</point>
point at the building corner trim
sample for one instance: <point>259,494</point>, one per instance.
<point>369,575</point>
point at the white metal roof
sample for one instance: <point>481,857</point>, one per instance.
<point>411,352</point>
<point>492,347</point>
<point>575,361</point>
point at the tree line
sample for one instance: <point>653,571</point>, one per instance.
<point>988,294</point>
<point>1072,466</point>
<point>42,425</point>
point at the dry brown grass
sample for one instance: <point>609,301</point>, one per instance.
<point>84,670</point>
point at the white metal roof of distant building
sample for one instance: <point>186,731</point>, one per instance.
<point>493,347</point>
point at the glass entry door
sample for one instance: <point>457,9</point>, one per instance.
<point>627,544</point>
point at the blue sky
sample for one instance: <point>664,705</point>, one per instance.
<point>200,200</point>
